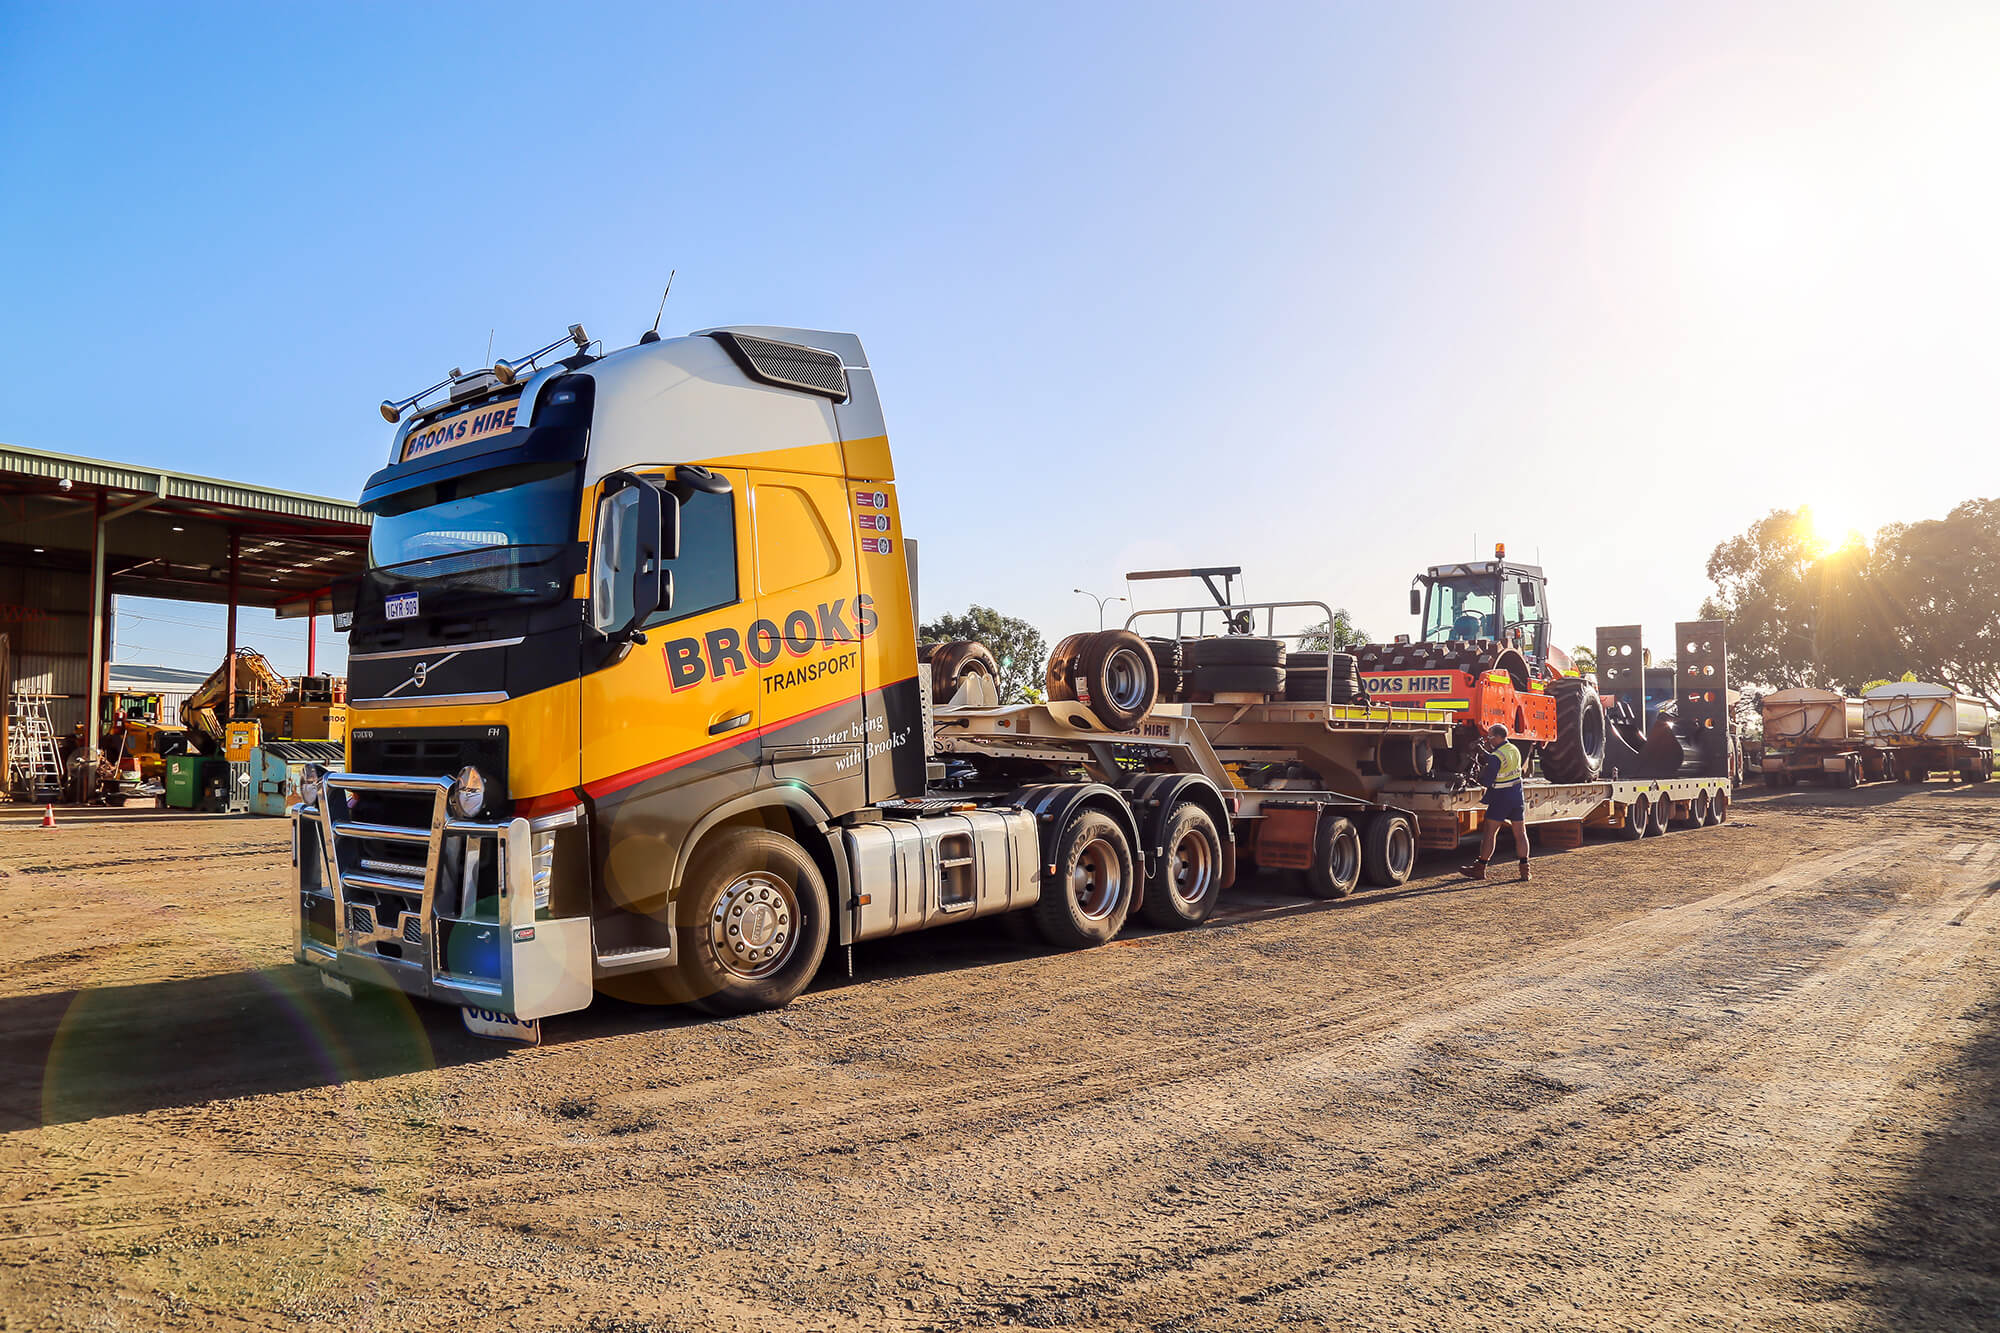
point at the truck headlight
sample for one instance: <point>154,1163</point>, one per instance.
<point>310,778</point>
<point>468,793</point>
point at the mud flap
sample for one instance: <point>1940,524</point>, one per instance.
<point>496,1026</point>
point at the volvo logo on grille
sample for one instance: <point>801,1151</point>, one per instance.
<point>420,674</point>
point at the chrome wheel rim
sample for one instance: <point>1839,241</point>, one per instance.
<point>754,927</point>
<point>1194,868</point>
<point>1097,880</point>
<point>1126,678</point>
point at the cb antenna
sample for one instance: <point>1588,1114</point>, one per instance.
<point>652,335</point>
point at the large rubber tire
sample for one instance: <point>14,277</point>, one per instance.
<point>1238,650</point>
<point>1577,752</point>
<point>1698,815</point>
<point>1113,675</point>
<point>1663,814</point>
<point>1405,757</point>
<point>1388,851</point>
<point>1264,680</point>
<point>1186,883</point>
<point>1306,678</point>
<point>952,662</point>
<point>1638,819</point>
<point>1085,902</point>
<point>1057,677</point>
<point>1336,867</point>
<point>750,922</point>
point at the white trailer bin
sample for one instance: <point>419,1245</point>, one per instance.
<point>1928,728</point>
<point>1819,735</point>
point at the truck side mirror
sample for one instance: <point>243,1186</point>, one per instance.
<point>637,532</point>
<point>1416,601</point>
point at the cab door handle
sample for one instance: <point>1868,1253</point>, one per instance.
<point>729,724</point>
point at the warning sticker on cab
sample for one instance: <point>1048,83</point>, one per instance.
<point>467,427</point>
<point>1409,685</point>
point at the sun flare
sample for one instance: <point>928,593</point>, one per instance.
<point>1830,526</point>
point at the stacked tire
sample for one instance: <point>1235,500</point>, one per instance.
<point>1306,677</point>
<point>1237,664</point>
<point>1112,673</point>
<point>952,662</point>
<point>1169,657</point>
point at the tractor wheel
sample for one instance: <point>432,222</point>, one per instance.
<point>1577,752</point>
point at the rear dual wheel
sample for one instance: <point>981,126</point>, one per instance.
<point>1388,851</point>
<point>1087,899</point>
<point>1187,883</point>
<point>1336,867</point>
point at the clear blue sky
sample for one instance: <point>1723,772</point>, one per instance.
<point>1327,291</point>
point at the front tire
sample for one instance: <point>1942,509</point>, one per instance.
<point>750,923</point>
<point>1187,883</point>
<point>1577,752</point>
<point>1086,901</point>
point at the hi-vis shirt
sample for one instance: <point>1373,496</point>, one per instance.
<point>1503,768</point>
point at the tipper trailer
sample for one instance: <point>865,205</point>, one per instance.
<point>1930,728</point>
<point>1819,736</point>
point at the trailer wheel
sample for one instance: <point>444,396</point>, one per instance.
<point>1061,668</point>
<point>1187,882</point>
<point>1577,752</point>
<point>1237,650</point>
<point>751,922</point>
<point>1663,815</point>
<point>1266,680</point>
<point>1114,675</point>
<point>1336,866</point>
<point>1388,851</point>
<point>1699,815</point>
<point>953,662</point>
<point>1718,809</point>
<point>1084,903</point>
<point>1405,757</point>
<point>1638,819</point>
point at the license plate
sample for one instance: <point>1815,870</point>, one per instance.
<point>338,985</point>
<point>400,607</point>
<point>497,1026</point>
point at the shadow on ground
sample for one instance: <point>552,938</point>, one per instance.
<point>1935,1250</point>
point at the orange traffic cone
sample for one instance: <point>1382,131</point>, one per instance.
<point>48,816</point>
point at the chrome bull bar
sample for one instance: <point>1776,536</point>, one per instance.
<point>525,963</point>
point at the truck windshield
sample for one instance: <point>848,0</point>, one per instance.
<point>1462,609</point>
<point>505,531</point>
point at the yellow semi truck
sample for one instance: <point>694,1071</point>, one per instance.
<point>636,706</point>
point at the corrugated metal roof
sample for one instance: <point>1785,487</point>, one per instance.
<point>176,485</point>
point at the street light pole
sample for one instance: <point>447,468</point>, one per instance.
<point>1100,603</point>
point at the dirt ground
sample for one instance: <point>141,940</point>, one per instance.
<point>1744,1076</point>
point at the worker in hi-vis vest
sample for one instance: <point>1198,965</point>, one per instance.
<point>1501,772</point>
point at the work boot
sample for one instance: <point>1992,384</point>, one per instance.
<point>1525,876</point>
<point>1477,870</point>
